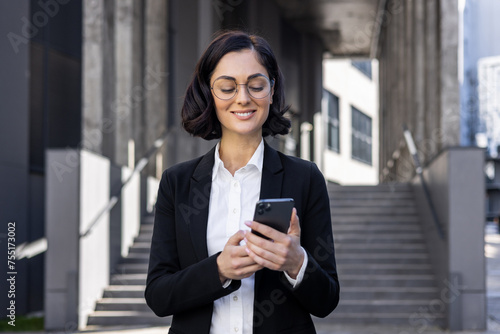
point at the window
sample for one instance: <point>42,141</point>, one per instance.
<point>332,107</point>
<point>364,67</point>
<point>361,136</point>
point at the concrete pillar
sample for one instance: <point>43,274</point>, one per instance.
<point>448,83</point>
<point>432,114</point>
<point>184,50</point>
<point>418,98</point>
<point>124,85</point>
<point>155,74</point>
<point>98,77</point>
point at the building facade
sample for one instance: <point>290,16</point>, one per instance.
<point>347,129</point>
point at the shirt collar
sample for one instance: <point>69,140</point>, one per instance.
<point>257,159</point>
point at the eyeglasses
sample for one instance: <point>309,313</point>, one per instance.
<point>258,87</point>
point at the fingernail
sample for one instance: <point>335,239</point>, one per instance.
<point>248,223</point>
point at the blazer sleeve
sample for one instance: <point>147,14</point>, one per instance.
<point>173,287</point>
<point>319,290</point>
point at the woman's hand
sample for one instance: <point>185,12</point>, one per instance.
<point>282,252</point>
<point>233,262</point>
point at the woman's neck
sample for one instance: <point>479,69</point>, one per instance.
<point>236,152</point>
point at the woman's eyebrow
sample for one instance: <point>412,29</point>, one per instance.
<point>248,78</point>
<point>255,75</point>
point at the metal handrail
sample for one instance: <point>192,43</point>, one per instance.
<point>419,170</point>
<point>115,196</point>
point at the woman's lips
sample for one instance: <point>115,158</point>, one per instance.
<point>244,114</point>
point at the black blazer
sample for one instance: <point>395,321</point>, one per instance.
<point>183,280</point>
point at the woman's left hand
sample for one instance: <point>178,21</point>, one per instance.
<point>282,252</point>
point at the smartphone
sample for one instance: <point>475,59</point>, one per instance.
<point>275,213</point>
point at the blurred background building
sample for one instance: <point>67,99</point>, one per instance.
<point>90,98</point>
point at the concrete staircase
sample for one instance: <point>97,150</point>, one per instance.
<point>123,301</point>
<point>384,268</point>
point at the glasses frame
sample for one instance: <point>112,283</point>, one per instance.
<point>271,85</point>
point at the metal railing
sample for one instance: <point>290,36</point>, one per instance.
<point>419,171</point>
<point>115,196</point>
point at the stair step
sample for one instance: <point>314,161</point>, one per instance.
<point>122,304</point>
<point>379,228</point>
<point>397,238</point>
<point>389,318</point>
<point>375,307</point>
<point>375,259</point>
<point>140,247</point>
<point>134,257</point>
<point>361,202</point>
<point>125,318</point>
<point>387,281</point>
<point>382,269</point>
<point>380,248</point>
<point>399,187</point>
<point>129,279</point>
<point>148,228</point>
<point>388,293</point>
<point>124,291</point>
<point>370,195</point>
<point>131,268</point>
<point>382,210</point>
<point>144,237</point>
<point>146,220</point>
<point>342,219</point>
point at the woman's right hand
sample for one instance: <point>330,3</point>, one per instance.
<point>233,262</point>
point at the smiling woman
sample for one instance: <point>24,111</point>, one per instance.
<point>198,117</point>
<point>206,268</point>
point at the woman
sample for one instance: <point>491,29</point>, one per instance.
<point>205,268</point>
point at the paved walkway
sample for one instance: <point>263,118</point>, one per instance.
<point>492,252</point>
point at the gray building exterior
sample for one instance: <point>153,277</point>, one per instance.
<point>89,86</point>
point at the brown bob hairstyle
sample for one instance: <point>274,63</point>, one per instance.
<point>198,113</point>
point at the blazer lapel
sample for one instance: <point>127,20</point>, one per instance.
<point>272,180</point>
<point>272,174</point>
<point>199,201</point>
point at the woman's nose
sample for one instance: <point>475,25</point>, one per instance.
<point>242,95</point>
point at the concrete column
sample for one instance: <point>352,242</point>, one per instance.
<point>155,74</point>
<point>448,83</point>
<point>98,77</point>
<point>418,71</point>
<point>124,83</point>
<point>432,114</point>
<point>92,70</point>
<point>184,50</point>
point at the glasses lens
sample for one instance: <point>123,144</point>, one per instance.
<point>224,89</point>
<point>259,87</point>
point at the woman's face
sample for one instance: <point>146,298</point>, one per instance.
<point>242,114</point>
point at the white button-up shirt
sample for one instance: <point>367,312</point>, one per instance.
<point>232,202</point>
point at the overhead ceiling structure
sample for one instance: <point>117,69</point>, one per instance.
<point>348,28</point>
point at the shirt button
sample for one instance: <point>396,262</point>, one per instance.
<point>234,210</point>
<point>236,329</point>
<point>235,298</point>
